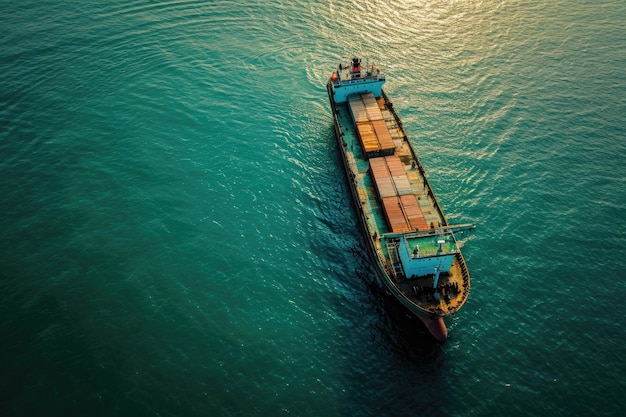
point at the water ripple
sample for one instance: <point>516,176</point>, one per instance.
<point>178,233</point>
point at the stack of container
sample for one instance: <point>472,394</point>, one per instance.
<point>371,127</point>
<point>402,210</point>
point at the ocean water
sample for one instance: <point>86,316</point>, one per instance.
<point>178,237</point>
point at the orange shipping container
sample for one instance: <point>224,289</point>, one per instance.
<point>390,177</point>
<point>396,168</point>
<point>383,135</point>
<point>369,142</point>
<point>398,174</point>
<point>395,215</point>
<point>413,212</point>
<point>372,129</point>
<point>382,178</point>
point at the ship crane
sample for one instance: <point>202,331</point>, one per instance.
<point>440,241</point>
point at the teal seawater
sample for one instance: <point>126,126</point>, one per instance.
<point>177,234</point>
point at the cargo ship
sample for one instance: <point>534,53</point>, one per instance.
<point>416,253</point>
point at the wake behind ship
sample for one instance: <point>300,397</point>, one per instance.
<point>410,242</point>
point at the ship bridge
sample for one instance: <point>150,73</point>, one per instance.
<point>429,252</point>
<point>356,78</point>
<point>426,255</point>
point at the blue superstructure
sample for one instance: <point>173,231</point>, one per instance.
<point>356,79</point>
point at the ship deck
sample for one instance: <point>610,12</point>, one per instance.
<point>454,285</point>
<point>361,166</point>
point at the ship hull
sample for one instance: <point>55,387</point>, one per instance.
<point>432,320</point>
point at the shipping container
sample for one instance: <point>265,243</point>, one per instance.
<point>390,177</point>
<point>382,178</point>
<point>373,111</point>
<point>403,214</point>
<point>399,175</point>
<point>395,215</point>
<point>371,134</point>
<point>413,212</point>
<point>372,129</point>
<point>357,109</point>
<point>368,139</point>
<point>384,137</point>
<point>364,107</point>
